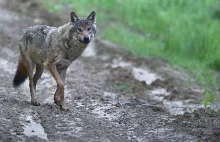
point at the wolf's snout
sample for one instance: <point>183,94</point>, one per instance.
<point>86,39</point>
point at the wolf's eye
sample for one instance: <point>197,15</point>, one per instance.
<point>89,29</point>
<point>79,29</point>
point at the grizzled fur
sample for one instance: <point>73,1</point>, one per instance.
<point>43,45</point>
<point>50,44</point>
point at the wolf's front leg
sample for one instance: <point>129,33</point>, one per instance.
<point>62,72</point>
<point>59,94</point>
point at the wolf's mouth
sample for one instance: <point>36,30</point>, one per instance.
<point>85,42</point>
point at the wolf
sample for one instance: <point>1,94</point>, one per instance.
<point>42,46</point>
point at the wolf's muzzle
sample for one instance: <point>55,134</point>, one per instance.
<point>86,39</point>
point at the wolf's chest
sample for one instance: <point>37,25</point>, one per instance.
<point>71,55</point>
<point>74,52</point>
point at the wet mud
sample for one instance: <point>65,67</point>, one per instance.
<point>111,95</point>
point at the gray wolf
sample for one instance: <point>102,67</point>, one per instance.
<point>54,48</point>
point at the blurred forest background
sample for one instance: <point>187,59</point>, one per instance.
<point>184,32</point>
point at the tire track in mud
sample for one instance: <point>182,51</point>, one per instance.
<point>24,117</point>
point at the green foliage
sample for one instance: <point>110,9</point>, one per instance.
<point>209,99</point>
<point>218,112</point>
<point>52,7</point>
<point>185,32</point>
<point>215,64</point>
<point>123,87</point>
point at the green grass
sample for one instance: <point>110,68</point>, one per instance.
<point>208,100</point>
<point>184,32</point>
<point>123,87</point>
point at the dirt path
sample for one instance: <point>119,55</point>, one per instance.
<point>111,96</point>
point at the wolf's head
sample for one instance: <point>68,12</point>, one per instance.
<point>83,29</point>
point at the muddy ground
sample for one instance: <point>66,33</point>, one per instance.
<point>111,95</point>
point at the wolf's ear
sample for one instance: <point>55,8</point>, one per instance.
<point>73,17</point>
<point>92,17</point>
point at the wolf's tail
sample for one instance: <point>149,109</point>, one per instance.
<point>21,74</point>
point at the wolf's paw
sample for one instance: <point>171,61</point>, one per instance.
<point>35,103</point>
<point>57,101</point>
<point>61,104</point>
<point>63,108</point>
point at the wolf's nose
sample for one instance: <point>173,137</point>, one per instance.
<point>86,38</point>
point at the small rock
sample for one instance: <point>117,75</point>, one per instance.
<point>118,105</point>
<point>78,97</point>
<point>19,133</point>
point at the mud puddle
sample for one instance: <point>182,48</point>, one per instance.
<point>31,127</point>
<point>144,75</point>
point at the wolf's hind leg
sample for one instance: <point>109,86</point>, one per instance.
<point>30,68</point>
<point>38,74</point>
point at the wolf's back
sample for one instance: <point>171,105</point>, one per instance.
<point>36,37</point>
